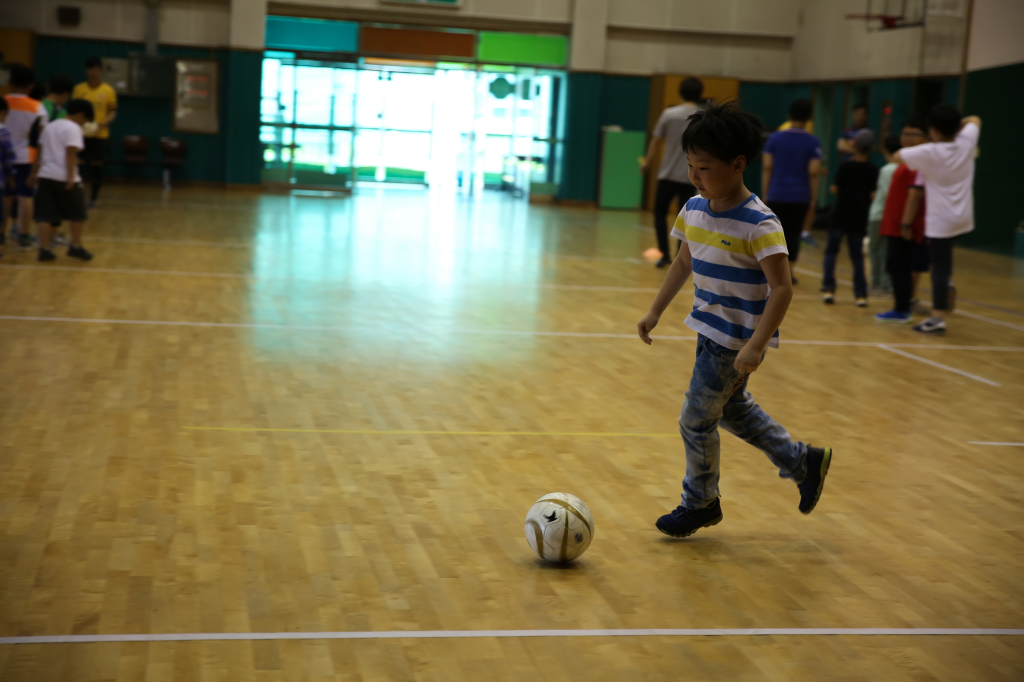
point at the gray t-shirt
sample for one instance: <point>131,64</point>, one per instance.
<point>670,127</point>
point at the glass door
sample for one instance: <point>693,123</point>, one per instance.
<point>307,115</point>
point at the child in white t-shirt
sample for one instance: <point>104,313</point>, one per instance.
<point>947,165</point>
<point>59,193</point>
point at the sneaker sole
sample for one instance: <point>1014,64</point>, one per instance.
<point>906,321</point>
<point>826,462</point>
<point>712,522</point>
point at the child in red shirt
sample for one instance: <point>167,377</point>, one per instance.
<point>903,226</point>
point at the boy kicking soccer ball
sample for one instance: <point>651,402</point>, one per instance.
<point>735,248</point>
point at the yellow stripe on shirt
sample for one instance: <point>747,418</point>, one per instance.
<point>766,240</point>
<point>725,242</point>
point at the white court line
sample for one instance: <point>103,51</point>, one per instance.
<point>460,634</point>
<point>496,332</point>
<point>939,365</point>
<point>990,320</point>
<point>985,442</point>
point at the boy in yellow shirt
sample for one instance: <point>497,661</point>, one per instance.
<point>97,138</point>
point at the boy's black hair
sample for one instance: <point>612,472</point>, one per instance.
<point>80,106</point>
<point>691,89</point>
<point>3,105</point>
<point>800,110</point>
<point>725,132</point>
<point>38,91</point>
<point>945,118</point>
<point>60,84</point>
<point>93,62</point>
<point>892,144</point>
<point>22,76</point>
<point>915,121</point>
<point>859,105</point>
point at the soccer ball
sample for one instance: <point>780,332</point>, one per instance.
<point>559,527</point>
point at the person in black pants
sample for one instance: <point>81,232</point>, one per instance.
<point>790,171</point>
<point>854,188</point>
<point>673,174</point>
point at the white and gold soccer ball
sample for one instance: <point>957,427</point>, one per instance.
<point>559,527</point>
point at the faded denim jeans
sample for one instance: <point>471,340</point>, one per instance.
<point>718,395</point>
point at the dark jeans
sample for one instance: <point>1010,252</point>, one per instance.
<point>792,217</point>
<point>667,190</point>
<point>941,253</point>
<point>855,243</point>
<point>899,264</point>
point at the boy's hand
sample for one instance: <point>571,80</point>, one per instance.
<point>646,325</point>
<point>32,181</point>
<point>748,359</point>
<point>907,233</point>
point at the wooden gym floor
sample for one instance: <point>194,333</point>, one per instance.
<point>304,414</point>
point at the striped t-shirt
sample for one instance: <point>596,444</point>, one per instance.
<point>730,289</point>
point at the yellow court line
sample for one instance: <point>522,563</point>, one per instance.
<point>434,433</point>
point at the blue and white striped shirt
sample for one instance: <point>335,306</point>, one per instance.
<point>730,289</point>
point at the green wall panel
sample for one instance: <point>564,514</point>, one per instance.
<point>243,155</point>
<point>621,181</point>
<point>624,101</point>
<point>522,48</point>
<point>997,97</point>
<point>582,137</point>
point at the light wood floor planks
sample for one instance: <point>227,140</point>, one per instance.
<point>391,313</point>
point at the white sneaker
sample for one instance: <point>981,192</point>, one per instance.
<point>933,325</point>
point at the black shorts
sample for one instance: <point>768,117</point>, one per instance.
<point>920,262</point>
<point>96,149</point>
<point>55,203</point>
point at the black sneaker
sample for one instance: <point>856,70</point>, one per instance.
<point>79,252</point>
<point>46,255</point>
<point>24,240</point>
<point>664,262</point>
<point>818,461</point>
<point>683,522</point>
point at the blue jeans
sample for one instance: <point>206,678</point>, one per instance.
<point>718,394</point>
<point>855,243</point>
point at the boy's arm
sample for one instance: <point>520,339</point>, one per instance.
<point>677,275</point>
<point>71,161</point>
<point>33,174</point>
<point>767,165</point>
<point>845,146</point>
<point>976,120</point>
<point>914,195</point>
<point>814,173</point>
<point>776,270</point>
<point>655,141</point>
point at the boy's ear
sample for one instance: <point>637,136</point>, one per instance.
<point>739,164</point>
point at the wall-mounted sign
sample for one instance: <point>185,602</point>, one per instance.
<point>196,101</point>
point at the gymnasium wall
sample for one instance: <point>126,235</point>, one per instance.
<point>182,22</point>
<point>996,30</point>
<point>231,156</point>
<point>828,46</point>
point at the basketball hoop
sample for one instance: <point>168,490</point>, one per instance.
<point>888,20</point>
<point>882,15</point>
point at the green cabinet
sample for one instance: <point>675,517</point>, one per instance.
<point>621,180</point>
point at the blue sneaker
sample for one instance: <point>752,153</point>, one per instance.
<point>894,316</point>
<point>684,522</point>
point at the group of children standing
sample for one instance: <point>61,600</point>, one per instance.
<point>42,135</point>
<point>910,210</point>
